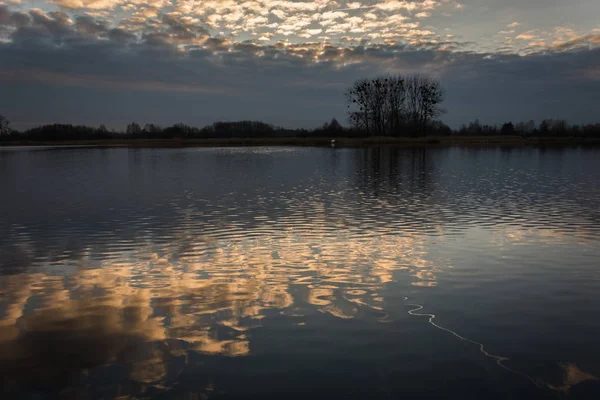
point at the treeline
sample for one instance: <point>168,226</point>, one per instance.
<point>66,132</point>
<point>57,132</point>
<point>257,129</point>
<point>238,129</point>
<point>546,128</point>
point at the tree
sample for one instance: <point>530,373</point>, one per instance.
<point>333,126</point>
<point>507,129</point>
<point>379,101</point>
<point>553,127</point>
<point>525,128</point>
<point>475,128</point>
<point>134,129</point>
<point>396,98</point>
<point>359,96</point>
<point>424,95</point>
<point>385,104</point>
<point>152,129</point>
<point>4,126</point>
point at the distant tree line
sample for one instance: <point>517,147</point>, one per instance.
<point>56,132</point>
<point>390,105</point>
<point>546,128</point>
<point>256,129</point>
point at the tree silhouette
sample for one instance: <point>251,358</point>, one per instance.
<point>134,129</point>
<point>332,127</point>
<point>424,95</point>
<point>4,126</point>
<point>507,129</point>
<point>387,104</point>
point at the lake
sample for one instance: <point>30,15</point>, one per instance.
<point>276,272</point>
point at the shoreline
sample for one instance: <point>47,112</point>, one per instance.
<point>428,141</point>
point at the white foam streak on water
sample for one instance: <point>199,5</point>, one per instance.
<point>498,359</point>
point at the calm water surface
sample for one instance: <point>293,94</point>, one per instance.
<point>300,273</point>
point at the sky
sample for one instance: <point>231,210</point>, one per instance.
<point>289,62</point>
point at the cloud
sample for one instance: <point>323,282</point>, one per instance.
<point>164,54</point>
<point>89,4</point>
<point>381,21</point>
<point>529,35</point>
<point>354,5</point>
<point>107,4</point>
<point>578,42</point>
<point>87,24</point>
<point>396,5</point>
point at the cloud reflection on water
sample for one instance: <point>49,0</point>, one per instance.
<point>150,290</point>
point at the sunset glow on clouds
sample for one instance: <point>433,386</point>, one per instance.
<point>310,50</point>
<point>192,23</point>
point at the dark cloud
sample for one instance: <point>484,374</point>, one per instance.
<point>216,44</point>
<point>121,36</point>
<point>4,14</point>
<point>20,19</point>
<point>89,25</point>
<point>57,23</point>
<point>182,28</point>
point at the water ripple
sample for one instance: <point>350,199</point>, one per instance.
<point>217,246</point>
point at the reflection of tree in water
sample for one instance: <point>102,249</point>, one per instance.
<point>384,171</point>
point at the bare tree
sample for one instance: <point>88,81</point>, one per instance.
<point>423,97</point>
<point>384,105</point>
<point>412,100</point>
<point>432,95</point>
<point>372,97</point>
<point>395,104</point>
<point>4,126</point>
<point>152,129</point>
<point>379,102</point>
<point>378,98</point>
<point>359,96</point>
<point>134,129</point>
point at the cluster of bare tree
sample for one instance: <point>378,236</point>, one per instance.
<point>394,105</point>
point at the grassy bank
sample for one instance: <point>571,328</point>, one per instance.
<point>321,142</point>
